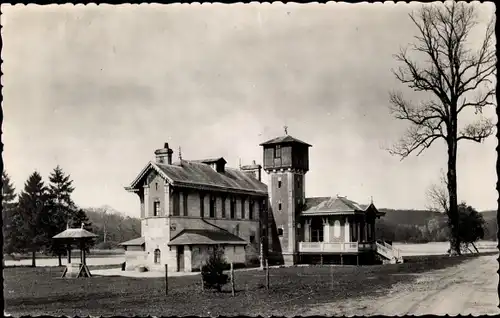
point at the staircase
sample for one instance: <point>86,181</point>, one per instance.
<point>388,253</point>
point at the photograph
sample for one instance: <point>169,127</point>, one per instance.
<point>250,159</point>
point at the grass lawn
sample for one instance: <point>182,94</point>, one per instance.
<point>36,291</point>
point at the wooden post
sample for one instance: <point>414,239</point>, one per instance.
<point>166,279</point>
<point>331,275</point>
<point>357,259</point>
<point>321,257</point>
<point>202,282</point>
<point>232,279</point>
<point>267,274</point>
<point>69,254</point>
<point>341,260</point>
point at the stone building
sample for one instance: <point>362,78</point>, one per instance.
<point>189,207</point>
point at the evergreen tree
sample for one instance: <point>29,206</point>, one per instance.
<point>9,206</point>
<point>33,218</point>
<point>61,209</point>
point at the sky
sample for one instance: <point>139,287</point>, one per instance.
<point>96,89</point>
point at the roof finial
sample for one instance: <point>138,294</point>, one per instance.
<point>180,154</point>
<point>240,162</point>
<point>286,129</point>
<point>83,224</point>
<point>371,199</point>
<point>67,225</point>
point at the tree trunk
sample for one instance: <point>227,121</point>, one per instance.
<point>33,258</point>
<point>452,190</point>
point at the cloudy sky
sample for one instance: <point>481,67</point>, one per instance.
<point>96,89</point>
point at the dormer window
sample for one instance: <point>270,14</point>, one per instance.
<point>277,151</point>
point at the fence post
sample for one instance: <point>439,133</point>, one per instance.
<point>267,274</point>
<point>232,279</point>
<point>331,274</point>
<point>166,279</point>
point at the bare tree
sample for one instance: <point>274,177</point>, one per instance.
<point>438,196</point>
<point>456,78</point>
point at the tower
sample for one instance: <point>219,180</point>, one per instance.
<point>286,161</point>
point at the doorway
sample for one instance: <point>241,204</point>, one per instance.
<point>180,258</point>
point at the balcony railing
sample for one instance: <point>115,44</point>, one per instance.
<point>326,247</point>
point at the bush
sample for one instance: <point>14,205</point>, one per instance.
<point>213,271</point>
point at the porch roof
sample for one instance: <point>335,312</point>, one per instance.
<point>135,242</point>
<point>336,206</point>
<point>206,237</point>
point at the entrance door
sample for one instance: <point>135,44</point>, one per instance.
<point>180,258</point>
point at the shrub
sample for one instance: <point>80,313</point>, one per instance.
<point>213,271</point>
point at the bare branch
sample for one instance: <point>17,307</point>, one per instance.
<point>477,131</point>
<point>437,194</point>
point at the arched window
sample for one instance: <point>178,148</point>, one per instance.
<point>157,259</point>
<point>336,228</point>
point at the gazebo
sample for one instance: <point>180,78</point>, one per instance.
<point>79,237</point>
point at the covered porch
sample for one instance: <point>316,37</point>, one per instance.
<point>338,225</point>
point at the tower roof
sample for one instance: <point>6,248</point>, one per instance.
<point>283,140</point>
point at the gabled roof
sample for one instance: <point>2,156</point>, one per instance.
<point>206,237</point>
<point>283,140</point>
<point>335,205</point>
<point>197,174</point>
<point>135,242</point>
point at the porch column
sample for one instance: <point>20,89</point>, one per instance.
<point>146,200</point>
<point>366,230</point>
<point>326,230</point>
<point>374,237</point>
<point>347,230</point>
<point>359,231</point>
<point>307,230</point>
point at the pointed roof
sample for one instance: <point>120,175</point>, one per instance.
<point>336,205</point>
<point>283,140</point>
<point>206,237</point>
<point>74,234</point>
<point>200,175</point>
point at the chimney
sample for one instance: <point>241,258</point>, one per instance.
<point>164,155</point>
<point>253,170</point>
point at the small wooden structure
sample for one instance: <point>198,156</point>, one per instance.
<point>79,237</point>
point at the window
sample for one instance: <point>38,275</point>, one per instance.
<point>223,207</point>
<point>156,208</point>
<point>156,186</point>
<point>252,239</point>
<point>202,205</point>
<point>279,183</point>
<point>213,207</point>
<point>250,209</point>
<point>232,208</point>
<point>157,256</point>
<point>336,228</point>
<point>277,151</point>
<point>279,206</point>
<point>317,235</point>
<point>280,231</point>
<point>243,208</point>
<point>185,204</point>
<point>176,204</point>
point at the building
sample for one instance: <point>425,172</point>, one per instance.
<point>191,206</point>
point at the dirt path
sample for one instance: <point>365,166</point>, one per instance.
<point>468,288</point>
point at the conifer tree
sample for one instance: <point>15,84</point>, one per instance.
<point>33,217</point>
<point>61,209</point>
<point>9,206</point>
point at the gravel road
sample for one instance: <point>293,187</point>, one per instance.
<point>468,288</point>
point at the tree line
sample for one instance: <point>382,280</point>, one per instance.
<point>32,217</point>
<point>472,227</point>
